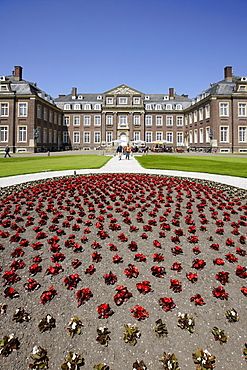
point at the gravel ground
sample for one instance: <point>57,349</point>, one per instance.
<point>98,202</point>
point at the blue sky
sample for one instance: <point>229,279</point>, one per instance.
<point>150,45</point>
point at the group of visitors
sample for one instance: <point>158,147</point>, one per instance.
<point>123,151</point>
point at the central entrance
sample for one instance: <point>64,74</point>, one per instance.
<point>123,138</point>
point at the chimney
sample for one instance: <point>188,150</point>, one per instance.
<point>18,73</point>
<point>228,74</point>
<point>171,93</point>
<point>74,92</point>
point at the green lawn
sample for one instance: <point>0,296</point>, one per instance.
<point>231,166</point>
<point>20,165</point>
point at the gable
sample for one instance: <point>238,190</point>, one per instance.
<point>123,90</point>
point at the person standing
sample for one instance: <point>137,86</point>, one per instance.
<point>120,151</point>
<point>127,151</point>
<point>6,151</point>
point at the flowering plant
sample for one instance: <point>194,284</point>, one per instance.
<point>139,365</point>
<point>219,335</point>
<point>122,295</point>
<point>83,295</point>
<point>21,315</point>
<point>39,355</point>
<point>103,336</point>
<point>186,322</point>
<point>232,315</point>
<point>47,323</point>
<point>139,312</point>
<point>131,334</point>
<point>8,344</point>
<point>74,326</point>
<point>203,359</point>
<point>167,304</point>
<point>104,311</point>
<point>72,361</point>
<point>169,361</point>
<point>160,328</point>
<point>48,295</point>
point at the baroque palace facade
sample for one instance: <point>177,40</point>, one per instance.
<point>33,121</point>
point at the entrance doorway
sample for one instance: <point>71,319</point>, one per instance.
<point>123,137</point>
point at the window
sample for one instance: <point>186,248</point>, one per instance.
<point>148,120</point>
<point>109,120</point>
<point>4,88</point>
<point>190,137</point>
<point>179,107</point>
<point>180,138</point>
<point>200,114</point>
<point>136,100</point>
<point>158,107</point>
<point>77,106</point>
<point>201,135</point>
<point>50,136</point>
<point>37,135</point>
<point>137,120</point>
<point>59,119</point>
<point>3,134</point>
<point>207,111</point>
<point>148,137</point>
<point>122,100</point>
<point>137,136</point>
<point>224,134</point>
<point>242,138</point>
<point>159,135</point>
<point>22,134</point>
<point>66,106</point>
<point>169,137</point>
<point>242,88</point>
<point>168,107</point>
<point>39,111</point>
<point>208,134</point>
<point>108,136</point>
<point>242,109</point>
<point>159,121</point>
<point>66,120</point>
<point>86,137</point>
<point>50,116</point>
<point>76,121</point>
<point>186,120</point>
<point>123,120</point>
<point>169,121</point>
<point>4,109</point>
<point>22,109</point>
<point>45,114</point>
<point>97,107</point>
<point>87,106</point>
<point>45,135</point>
<point>224,110</point>
<point>195,136</point>
<point>190,118</point>
<point>97,137</point>
<point>65,137</point>
<point>87,121</point>
<point>149,107</point>
<point>179,121</point>
<point>109,100</point>
<point>195,116</point>
<point>55,136</point>
<point>76,137</point>
<point>97,121</point>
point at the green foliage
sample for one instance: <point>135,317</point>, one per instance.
<point>186,322</point>
<point>169,361</point>
<point>139,365</point>
<point>131,334</point>
<point>231,166</point>
<point>74,327</point>
<point>21,315</point>
<point>39,355</point>
<point>24,165</point>
<point>8,344</point>
<point>72,361</point>
<point>47,323</point>
<point>219,335</point>
<point>160,328</point>
<point>101,367</point>
<point>203,359</point>
<point>232,315</point>
<point>103,336</point>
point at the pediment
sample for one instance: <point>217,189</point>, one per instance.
<point>123,90</point>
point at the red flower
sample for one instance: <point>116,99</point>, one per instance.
<point>230,242</point>
<point>48,295</point>
<point>158,271</point>
<point>167,304</point>
<point>144,287</point>
<point>156,244</point>
<point>10,277</point>
<point>37,259</point>
<point>122,295</point>
<point>162,234</point>
<point>57,257</point>
<point>104,311</point>
<point>199,301</point>
<point>218,261</point>
<point>75,263</point>
<point>198,264</point>
<point>220,292</point>
<point>96,257</point>
<point>193,239</point>
<point>31,285</point>
<point>11,293</point>
<point>192,229</point>
<point>196,250</point>
<point>102,234</point>
<point>192,277</point>
<point>133,246</point>
<point>144,236</point>
<point>244,290</point>
<point>240,251</point>
<point>158,257</point>
<point>18,252</point>
<point>231,258</point>
<point>110,279</point>
<point>139,257</point>
<point>176,285</point>
<point>35,268</point>
<point>131,271</point>
<point>215,246</point>
<point>90,270</point>
<point>87,230</point>
<point>19,264</point>
<point>112,247</point>
<point>241,272</point>
<point>122,237</point>
<point>222,277</point>
<point>176,250</point>
<point>41,235</point>
<point>176,266</point>
<point>83,295</point>
<point>117,259</point>
<point>54,270</point>
<point>139,313</point>
<point>71,281</point>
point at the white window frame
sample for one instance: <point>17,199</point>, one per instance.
<point>97,120</point>
<point>158,107</point>
<point>4,109</point>
<point>50,116</point>
<point>122,100</point>
<point>196,136</point>
<point>108,136</point>
<point>86,137</point>
<point>39,111</point>
<point>180,121</point>
<point>67,106</point>
<point>66,120</point>
<point>195,116</point>
<point>200,114</point>
<point>148,120</point>
<point>242,109</point>
<point>136,100</point>
<point>159,121</point>
<point>50,136</point>
<point>224,109</point>
<point>65,137</point>
<point>224,134</point>
<point>169,137</point>
<point>22,109</point>
<point>148,137</point>
<point>123,120</point>
<point>179,107</point>
<point>77,106</point>
<point>109,120</point>
<point>76,120</point>
<point>55,136</point>
<point>137,120</point>
<point>76,137</point>
<point>137,135</point>
<point>4,133</point>
<point>180,138</point>
<point>242,134</point>
<point>97,137</point>
<point>168,106</point>
<point>169,121</point>
<point>45,114</point>
<point>109,100</point>
<point>191,137</point>
<point>22,134</point>
<point>201,135</point>
<point>45,135</point>
<point>87,106</point>
<point>148,107</point>
<point>207,111</point>
<point>97,106</point>
<point>87,121</point>
<point>159,135</point>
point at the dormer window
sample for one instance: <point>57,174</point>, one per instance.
<point>147,98</point>
<point>149,107</point>
<point>97,107</point>
<point>4,88</point>
<point>67,106</point>
<point>158,107</point>
<point>168,107</point>
<point>242,88</point>
<point>99,97</point>
<point>87,106</point>
<point>178,106</point>
<point>80,97</point>
<point>122,100</point>
<point>77,106</point>
<point>109,100</point>
<point>136,100</point>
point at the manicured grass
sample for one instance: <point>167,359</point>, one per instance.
<point>19,166</point>
<point>231,166</point>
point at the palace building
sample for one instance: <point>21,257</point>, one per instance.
<point>32,121</point>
